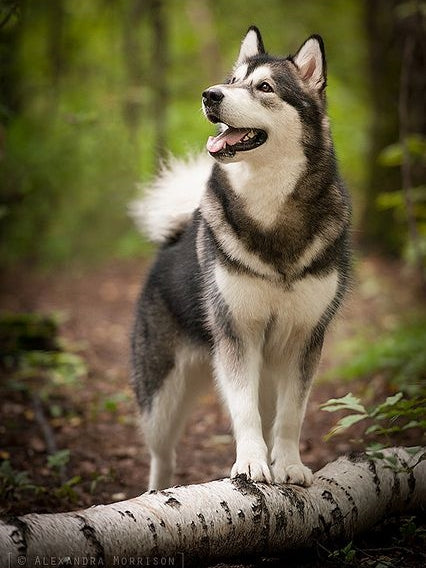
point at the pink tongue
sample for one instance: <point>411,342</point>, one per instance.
<point>231,136</point>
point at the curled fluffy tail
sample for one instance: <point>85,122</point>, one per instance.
<point>169,201</point>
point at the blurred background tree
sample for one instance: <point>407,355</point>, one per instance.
<point>396,162</point>
<point>94,94</point>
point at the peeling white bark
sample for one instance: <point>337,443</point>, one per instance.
<point>221,519</point>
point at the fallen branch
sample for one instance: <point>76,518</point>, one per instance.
<point>47,431</point>
<point>222,519</point>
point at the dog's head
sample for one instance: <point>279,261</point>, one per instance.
<point>267,100</point>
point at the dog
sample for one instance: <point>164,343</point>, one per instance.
<point>253,265</point>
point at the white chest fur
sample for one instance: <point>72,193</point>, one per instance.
<point>253,301</point>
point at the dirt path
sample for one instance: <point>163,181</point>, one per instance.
<point>98,421</point>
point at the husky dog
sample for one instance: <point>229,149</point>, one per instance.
<point>253,264</point>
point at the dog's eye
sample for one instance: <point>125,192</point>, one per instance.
<point>265,87</point>
<point>232,80</point>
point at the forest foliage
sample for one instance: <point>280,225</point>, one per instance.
<point>94,94</point>
<point>80,112</point>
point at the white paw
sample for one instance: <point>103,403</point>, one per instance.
<point>294,473</point>
<point>254,469</point>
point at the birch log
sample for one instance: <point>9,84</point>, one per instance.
<point>222,519</point>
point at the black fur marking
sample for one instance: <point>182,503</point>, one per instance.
<point>229,201</point>
<point>153,341</point>
<point>171,303</point>
<point>314,207</point>
<point>260,46</point>
<point>326,260</point>
<point>231,264</point>
<point>223,318</point>
<point>178,277</point>
<point>269,329</point>
<point>312,351</point>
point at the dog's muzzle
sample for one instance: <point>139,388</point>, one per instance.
<point>232,139</point>
<point>211,101</point>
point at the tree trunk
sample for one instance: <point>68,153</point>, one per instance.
<point>133,62</point>
<point>159,68</point>
<point>223,519</point>
<point>389,25</point>
<point>55,45</point>
<point>384,43</point>
<point>210,58</point>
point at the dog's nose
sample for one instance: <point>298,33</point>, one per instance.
<point>212,96</point>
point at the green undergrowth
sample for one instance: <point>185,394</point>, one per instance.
<point>398,359</point>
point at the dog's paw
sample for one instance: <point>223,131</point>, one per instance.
<point>294,473</point>
<point>256,470</point>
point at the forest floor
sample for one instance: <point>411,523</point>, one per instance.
<point>97,421</point>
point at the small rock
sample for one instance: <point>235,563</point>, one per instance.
<point>119,496</point>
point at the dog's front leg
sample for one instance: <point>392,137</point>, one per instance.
<point>292,394</point>
<point>237,370</point>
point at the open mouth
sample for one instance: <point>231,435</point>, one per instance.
<point>233,140</point>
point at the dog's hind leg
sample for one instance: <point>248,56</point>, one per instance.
<point>164,420</point>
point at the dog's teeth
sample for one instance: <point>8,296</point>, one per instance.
<point>250,134</point>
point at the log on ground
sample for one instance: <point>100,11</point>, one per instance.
<point>223,519</point>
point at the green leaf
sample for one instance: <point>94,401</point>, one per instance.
<point>393,460</point>
<point>374,447</point>
<point>375,455</point>
<point>390,401</point>
<point>372,429</point>
<point>416,144</point>
<point>391,155</point>
<point>344,423</point>
<point>412,424</point>
<point>73,481</point>
<point>390,200</point>
<point>347,402</point>
<point>413,450</point>
<point>58,459</point>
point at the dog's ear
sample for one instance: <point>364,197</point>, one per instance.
<point>310,61</point>
<point>252,44</point>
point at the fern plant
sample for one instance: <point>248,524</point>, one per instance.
<point>400,357</point>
